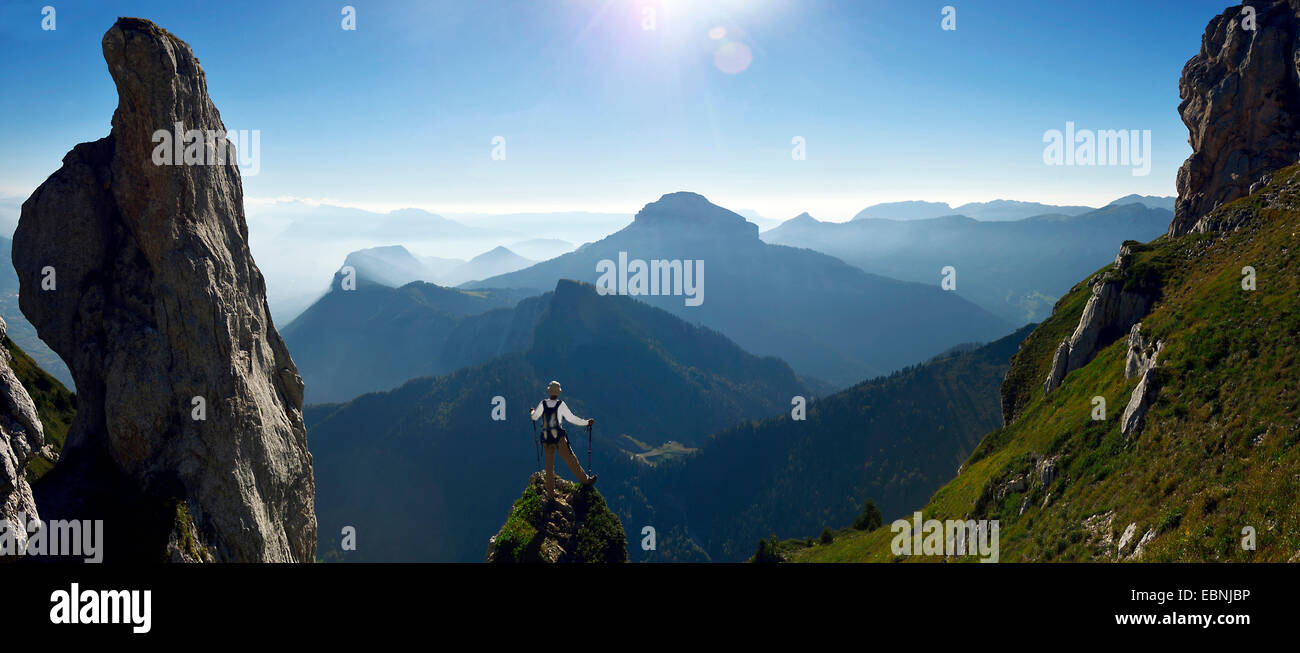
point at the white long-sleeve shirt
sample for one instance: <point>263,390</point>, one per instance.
<point>564,412</point>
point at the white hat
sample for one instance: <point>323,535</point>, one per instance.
<point>553,388</point>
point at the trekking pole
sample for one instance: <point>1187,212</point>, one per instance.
<point>588,449</point>
<point>536,447</point>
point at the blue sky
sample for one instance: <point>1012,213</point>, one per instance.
<point>602,114</point>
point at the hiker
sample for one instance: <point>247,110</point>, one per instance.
<point>554,437</point>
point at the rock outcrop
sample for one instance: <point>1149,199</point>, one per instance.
<point>1099,532</point>
<point>576,527</point>
<point>1141,353</point>
<point>138,274</point>
<point>1125,538</point>
<point>21,436</point>
<point>1241,104</point>
<point>1140,549</point>
<point>1139,402</point>
<point>1115,306</point>
<point>1048,469</point>
<point>1141,361</point>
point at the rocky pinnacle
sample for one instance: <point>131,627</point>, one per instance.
<point>138,274</point>
<point>1241,104</point>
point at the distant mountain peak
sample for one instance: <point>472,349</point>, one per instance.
<point>387,265</point>
<point>495,252</point>
<point>386,250</point>
<point>414,213</point>
<point>1000,210</point>
<point>1149,201</point>
<point>692,211</point>
<point>906,210</point>
<point>499,255</point>
<point>682,197</point>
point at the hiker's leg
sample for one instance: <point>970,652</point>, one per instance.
<point>566,452</point>
<point>550,470</point>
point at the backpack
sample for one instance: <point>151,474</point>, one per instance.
<point>552,431</point>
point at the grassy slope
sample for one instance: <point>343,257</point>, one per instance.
<point>54,403</point>
<point>1218,451</point>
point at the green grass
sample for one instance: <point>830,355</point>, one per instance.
<point>1218,452</point>
<point>601,537</point>
<point>183,525</point>
<point>55,405</point>
<point>518,541</point>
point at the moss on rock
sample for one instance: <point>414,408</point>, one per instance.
<point>577,527</point>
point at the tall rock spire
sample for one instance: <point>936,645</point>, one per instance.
<point>136,270</point>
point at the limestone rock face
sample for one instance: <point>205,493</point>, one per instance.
<point>1140,548</point>
<point>1141,361</point>
<point>139,276</point>
<point>1060,367</point>
<point>21,435</point>
<point>1110,312</point>
<point>1048,470</point>
<point>1125,538</point>
<point>1141,353</point>
<point>1139,402</point>
<point>1241,104</point>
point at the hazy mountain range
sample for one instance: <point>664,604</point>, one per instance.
<point>299,245</point>
<point>1015,269</point>
<point>828,319</point>
<point>1150,201</point>
<point>294,239</point>
<point>376,337</point>
<point>395,266</point>
<point>994,211</point>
